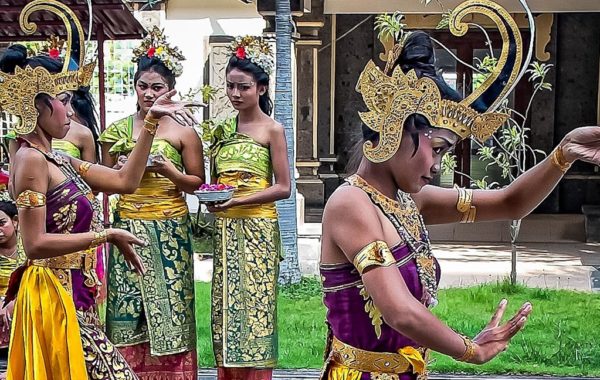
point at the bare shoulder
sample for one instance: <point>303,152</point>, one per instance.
<point>274,127</point>
<point>84,132</point>
<point>29,162</point>
<point>188,133</point>
<point>349,202</point>
<point>29,156</point>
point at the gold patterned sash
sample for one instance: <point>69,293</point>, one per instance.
<point>84,260</point>
<point>157,198</point>
<point>407,359</point>
<point>247,184</point>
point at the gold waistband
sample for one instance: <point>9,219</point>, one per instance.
<point>157,198</point>
<point>407,359</point>
<point>84,260</point>
<point>247,184</point>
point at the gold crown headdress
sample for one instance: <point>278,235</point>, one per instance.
<point>155,45</point>
<point>255,49</point>
<point>392,99</point>
<point>18,90</point>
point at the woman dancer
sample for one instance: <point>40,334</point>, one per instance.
<point>54,331</point>
<point>379,275</point>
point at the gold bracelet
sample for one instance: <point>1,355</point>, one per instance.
<point>376,253</point>
<point>465,198</point>
<point>469,216</point>
<point>464,205</point>
<point>99,239</point>
<point>30,199</point>
<point>151,125</point>
<point>469,350</point>
<point>83,168</point>
<point>559,160</point>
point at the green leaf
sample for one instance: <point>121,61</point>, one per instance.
<point>449,163</point>
<point>390,25</point>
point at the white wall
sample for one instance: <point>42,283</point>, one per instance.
<point>189,23</point>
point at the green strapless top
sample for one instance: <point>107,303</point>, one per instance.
<point>66,147</point>
<point>63,146</point>
<point>120,134</point>
<point>233,151</point>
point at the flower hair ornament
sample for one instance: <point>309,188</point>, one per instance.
<point>155,45</point>
<point>54,47</point>
<point>255,49</point>
<point>392,97</point>
<point>4,195</point>
<point>19,90</point>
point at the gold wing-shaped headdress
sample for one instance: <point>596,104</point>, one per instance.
<point>18,90</point>
<point>392,98</point>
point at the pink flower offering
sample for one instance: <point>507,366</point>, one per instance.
<point>215,187</point>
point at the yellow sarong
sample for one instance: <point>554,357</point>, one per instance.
<point>51,347</point>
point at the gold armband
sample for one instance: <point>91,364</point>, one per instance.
<point>376,253</point>
<point>83,168</point>
<point>464,205</point>
<point>151,125</point>
<point>469,350</point>
<point>559,160</point>
<point>31,199</point>
<point>99,239</point>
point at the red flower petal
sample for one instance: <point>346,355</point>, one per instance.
<point>54,53</point>
<point>240,52</point>
<point>151,52</point>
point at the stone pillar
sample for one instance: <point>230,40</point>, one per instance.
<point>309,44</point>
<point>220,108</point>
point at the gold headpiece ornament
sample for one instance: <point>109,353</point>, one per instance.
<point>18,90</point>
<point>391,99</point>
<point>255,49</point>
<point>155,45</point>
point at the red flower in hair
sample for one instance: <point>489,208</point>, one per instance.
<point>150,52</point>
<point>54,53</point>
<point>240,52</point>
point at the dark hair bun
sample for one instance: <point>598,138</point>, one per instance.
<point>15,55</point>
<point>418,54</point>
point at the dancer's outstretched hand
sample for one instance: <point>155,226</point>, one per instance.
<point>125,240</point>
<point>494,338</point>
<point>582,144</point>
<point>178,111</point>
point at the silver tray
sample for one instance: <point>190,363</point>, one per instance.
<point>211,196</point>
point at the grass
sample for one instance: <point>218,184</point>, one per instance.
<point>560,338</point>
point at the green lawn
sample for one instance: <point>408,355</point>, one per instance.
<point>561,337</point>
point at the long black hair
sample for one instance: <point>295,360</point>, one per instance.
<point>85,108</point>
<point>260,76</point>
<point>16,56</point>
<point>417,54</point>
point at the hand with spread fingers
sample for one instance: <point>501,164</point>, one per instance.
<point>6,316</point>
<point>495,337</point>
<point>178,111</point>
<point>124,241</point>
<point>582,144</point>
